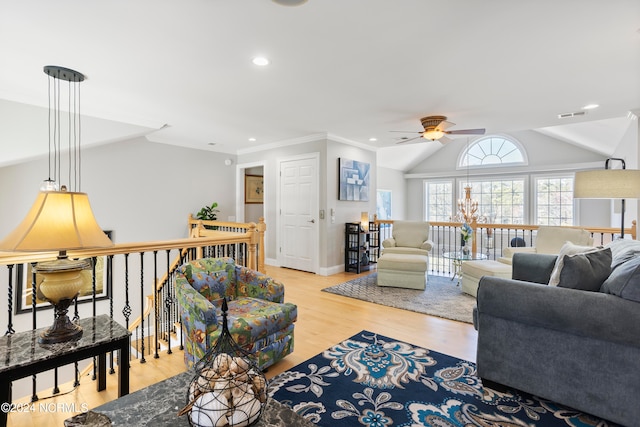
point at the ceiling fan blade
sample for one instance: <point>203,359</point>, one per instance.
<point>444,140</point>
<point>408,139</point>
<point>443,125</point>
<point>406,131</point>
<point>466,132</point>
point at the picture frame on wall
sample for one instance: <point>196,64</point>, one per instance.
<point>383,204</point>
<point>25,277</point>
<point>353,180</point>
<point>253,189</point>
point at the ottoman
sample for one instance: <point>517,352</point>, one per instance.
<point>472,271</point>
<point>403,270</point>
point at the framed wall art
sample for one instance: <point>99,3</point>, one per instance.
<point>353,180</point>
<point>253,189</point>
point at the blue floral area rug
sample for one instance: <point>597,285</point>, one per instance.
<point>375,381</point>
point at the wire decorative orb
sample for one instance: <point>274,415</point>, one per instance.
<point>228,389</point>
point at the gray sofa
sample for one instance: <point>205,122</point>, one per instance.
<point>579,348</point>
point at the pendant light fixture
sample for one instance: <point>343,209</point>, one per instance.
<point>61,218</point>
<point>467,207</point>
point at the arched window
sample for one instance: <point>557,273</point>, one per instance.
<point>491,151</point>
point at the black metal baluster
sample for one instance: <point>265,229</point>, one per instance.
<point>126,311</point>
<point>167,303</point>
<point>142,360</point>
<point>94,311</point>
<point>110,292</point>
<point>155,304</point>
<point>10,329</point>
<point>34,396</point>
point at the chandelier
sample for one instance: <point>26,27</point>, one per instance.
<point>468,208</point>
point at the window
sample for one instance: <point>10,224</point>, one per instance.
<point>439,197</point>
<point>500,200</point>
<point>492,151</point>
<point>554,200</point>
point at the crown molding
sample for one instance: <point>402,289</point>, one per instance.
<point>304,140</point>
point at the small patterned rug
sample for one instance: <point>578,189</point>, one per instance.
<point>374,381</point>
<point>441,297</point>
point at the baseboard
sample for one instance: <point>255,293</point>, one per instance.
<point>323,271</point>
<point>328,271</point>
<point>272,261</point>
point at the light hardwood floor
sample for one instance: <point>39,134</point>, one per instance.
<point>323,320</point>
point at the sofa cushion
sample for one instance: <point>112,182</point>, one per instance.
<point>405,250</point>
<point>622,250</point>
<point>586,271</point>
<point>624,281</point>
<point>568,248</point>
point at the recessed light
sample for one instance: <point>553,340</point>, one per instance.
<point>252,139</point>
<point>590,106</point>
<point>373,139</point>
<point>260,61</point>
<point>290,2</point>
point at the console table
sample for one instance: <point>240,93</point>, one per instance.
<point>21,355</point>
<point>158,406</point>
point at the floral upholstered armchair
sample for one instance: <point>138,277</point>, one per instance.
<point>258,318</point>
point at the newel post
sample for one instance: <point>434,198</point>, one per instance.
<point>195,232</point>
<point>474,243</point>
<point>262,227</point>
<point>252,231</point>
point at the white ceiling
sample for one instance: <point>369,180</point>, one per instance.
<point>353,69</point>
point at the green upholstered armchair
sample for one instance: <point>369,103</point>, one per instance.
<point>258,318</point>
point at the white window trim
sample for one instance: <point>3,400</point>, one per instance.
<point>425,184</point>
<point>533,190</point>
<point>463,154</point>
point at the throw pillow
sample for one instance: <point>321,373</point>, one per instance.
<point>622,250</point>
<point>567,249</point>
<point>624,281</point>
<point>586,271</point>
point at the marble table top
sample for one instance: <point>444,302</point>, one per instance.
<point>22,348</point>
<point>158,405</point>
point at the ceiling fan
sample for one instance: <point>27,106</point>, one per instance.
<point>435,128</point>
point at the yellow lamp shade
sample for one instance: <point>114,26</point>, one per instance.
<point>57,221</point>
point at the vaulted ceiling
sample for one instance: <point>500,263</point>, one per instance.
<point>351,69</point>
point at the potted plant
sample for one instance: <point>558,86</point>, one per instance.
<point>209,213</point>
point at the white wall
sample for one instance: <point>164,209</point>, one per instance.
<point>346,211</point>
<point>139,189</point>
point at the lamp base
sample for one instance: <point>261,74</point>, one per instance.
<point>63,329</point>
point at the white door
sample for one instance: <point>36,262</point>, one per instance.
<point>298,214</point>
